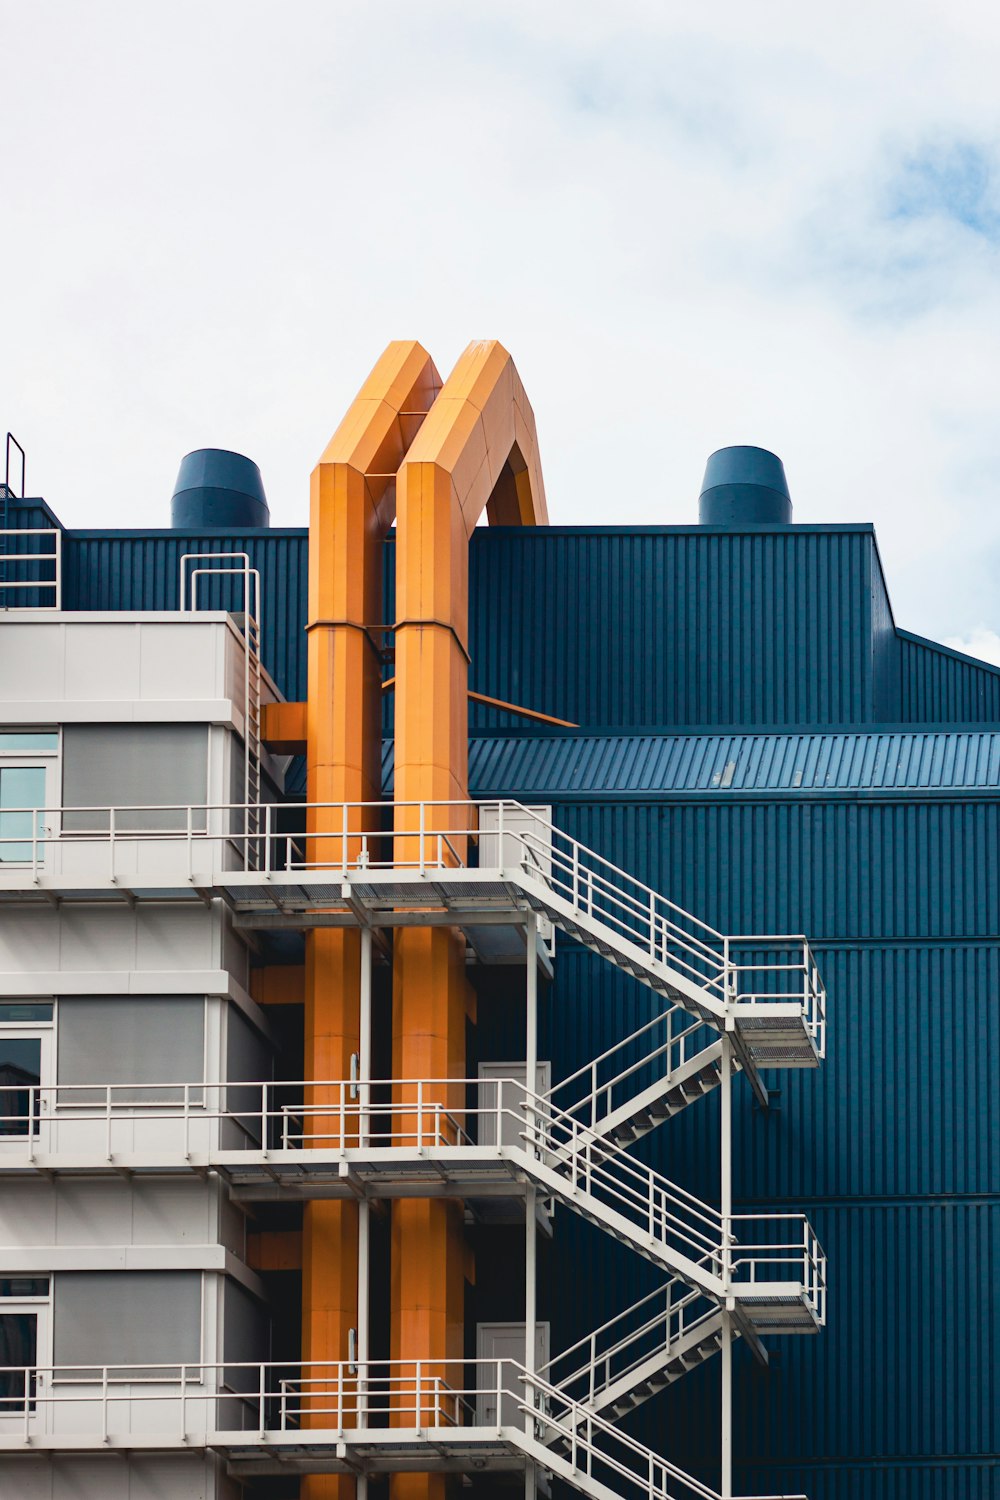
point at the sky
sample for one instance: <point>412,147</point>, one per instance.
<point>692,224</point>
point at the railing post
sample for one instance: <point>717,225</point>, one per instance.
<point>104,1402</point>
<point>420,1114</point>
<point>33,1109</point>
<point>111,842</point>
<point>107,1118</point>
<point>265,1119</point>
<point>183,1402</point>
<point>190,840</point>
<point>500,836</point>
<point>418,1408</point>
<point>267,836</point>
<point>343,842</point>
<point>422,825</point>
<point>262,1396</point>
<point>187,1121</point>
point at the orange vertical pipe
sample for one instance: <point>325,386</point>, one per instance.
<point>351,508</point>
<point>476,451</point>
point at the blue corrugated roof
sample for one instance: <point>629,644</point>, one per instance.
<point>589,764</point>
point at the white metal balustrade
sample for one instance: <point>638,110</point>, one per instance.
<point>280,1418</point>
<point>30,568</point>
<point>644,1079</point>
<point>269,873</point>
<point>477,1134</point>
<point>640,1350</point>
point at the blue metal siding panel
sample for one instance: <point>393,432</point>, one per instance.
<point>940,686</point>
<point>763,628</point>
<point>141,571</point>
<point>849,870</point>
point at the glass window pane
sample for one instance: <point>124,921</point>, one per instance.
<point>18,1346</point>
<point>20,1071</point>
<point>21,787</point>
<point>29,739</point>
<point>127,1318</point>
<point>25,1010</point>
<point>138,768</point>
<point>24,1286</point>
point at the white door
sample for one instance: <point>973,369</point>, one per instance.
<point>505,1341</point>
<point>25,1086</point>
<point>503,1097</point>
<point>24,1347</point>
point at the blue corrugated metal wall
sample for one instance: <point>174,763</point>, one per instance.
<point>894,1146</point>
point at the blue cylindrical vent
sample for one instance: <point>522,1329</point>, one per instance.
<point>218,490</point>
<point>744,487</point>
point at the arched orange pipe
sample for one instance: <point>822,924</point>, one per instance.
<point>476,451</point>
<point>352,503</point>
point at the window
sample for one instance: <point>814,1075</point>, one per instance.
<point>138,1039</point>
<point>118,1318</point>
<point>24,1306</point>
<point>143,767</point>
<point>25,1039</point>
<point>25,757</point>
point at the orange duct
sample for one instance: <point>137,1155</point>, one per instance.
<point>476,451</point>
<point>352,505</point>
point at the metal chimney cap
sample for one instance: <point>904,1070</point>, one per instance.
<point>744,486</point>
<point>218,489</point>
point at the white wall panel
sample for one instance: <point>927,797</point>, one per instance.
<point>188,1476</point>
<point>106,937</point>
<point>94,1212</point>
<point>101,661</point>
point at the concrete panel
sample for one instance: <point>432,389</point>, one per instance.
<point>31,661</point>
<point>186,1476</point>
<point>27,1214</point>
<point>101,661</point>
<point>97,937</point>
<point>93,1212</point>
<point>184,660</point>
<point>29,940</point>
<point>173,1212</point>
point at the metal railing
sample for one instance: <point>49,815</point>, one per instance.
<point>653,1327</point>
<point>31,568</point>
<point>409,1117</point>
<point>427,839</point>
<point>653,1053</point>
<point>239,1404</point>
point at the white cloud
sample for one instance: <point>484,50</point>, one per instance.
<point>981,641</point>
<point>692,225</point>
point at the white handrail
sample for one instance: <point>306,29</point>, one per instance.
<point>419,1115</point>
<point>236,1403</point>
<point>27,560</point>
<point>438,836</point>
<point>655,1324</point>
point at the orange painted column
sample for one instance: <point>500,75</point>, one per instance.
<point>429,982</point>
<point>477,451</point>
<point>351,507</point>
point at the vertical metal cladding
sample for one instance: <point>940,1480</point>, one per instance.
<point>141,571</point>
<point>881,1385</point>
<point>892,1148</point>
<point>940,686</point>
<point>880,868</point>
<point>675,626</point>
